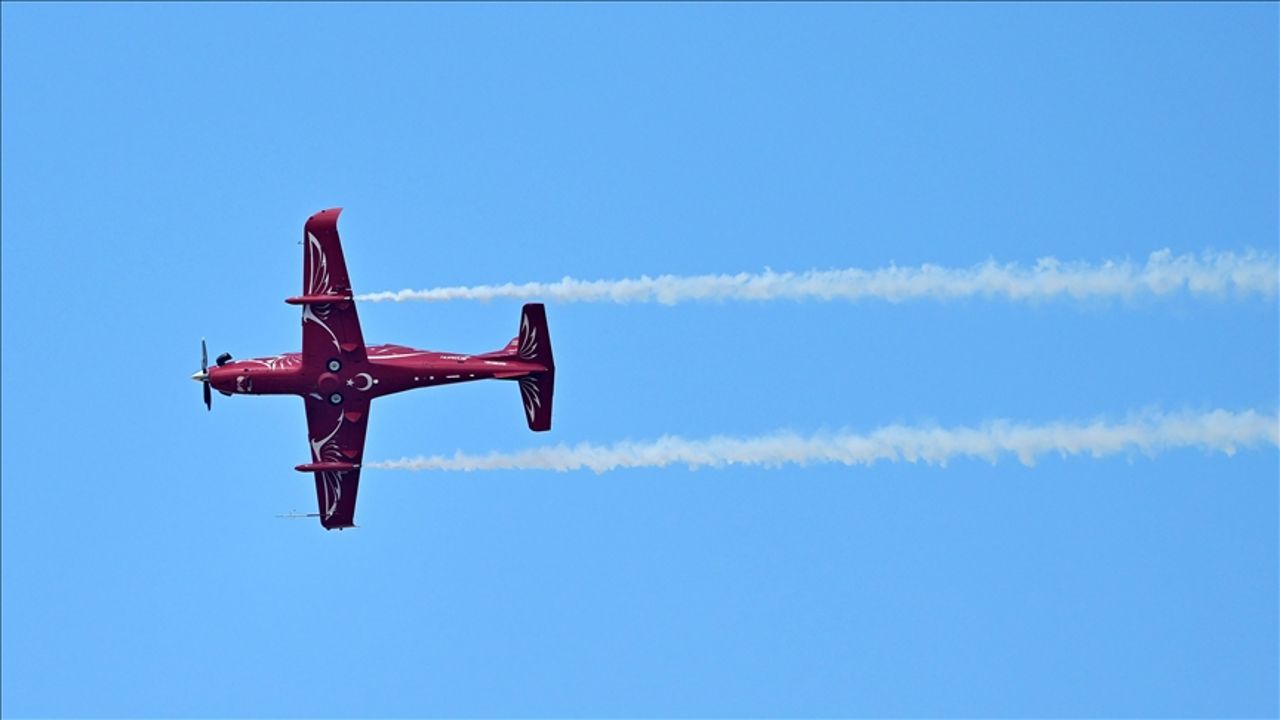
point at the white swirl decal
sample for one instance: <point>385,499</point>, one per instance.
<point>531,395</point>
<point>528,339</point>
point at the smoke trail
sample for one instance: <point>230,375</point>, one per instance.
<point>1219,430</point>
<point>1211,274</point>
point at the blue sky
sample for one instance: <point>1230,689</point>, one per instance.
<point>158,163</point>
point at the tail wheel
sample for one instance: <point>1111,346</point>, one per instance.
<point>334,365</point>
<point>335,399</point>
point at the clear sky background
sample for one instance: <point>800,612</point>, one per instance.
<point>158,163</point>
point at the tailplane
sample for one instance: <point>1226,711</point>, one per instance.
<point>533,344</point>
<point>535,393</point>
<point>534,341</point>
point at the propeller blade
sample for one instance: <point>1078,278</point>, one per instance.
<point>203,376</point>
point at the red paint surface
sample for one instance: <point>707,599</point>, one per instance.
<point>338,376</point>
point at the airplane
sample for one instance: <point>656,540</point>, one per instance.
<point>338,376</point>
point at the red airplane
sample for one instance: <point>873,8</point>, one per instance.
<point>338,376</point>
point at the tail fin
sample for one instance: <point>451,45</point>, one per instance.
<point>533,344</point>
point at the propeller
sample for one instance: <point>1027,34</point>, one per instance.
<point>202,377</point>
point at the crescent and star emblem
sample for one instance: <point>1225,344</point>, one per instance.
<point>368,382</point>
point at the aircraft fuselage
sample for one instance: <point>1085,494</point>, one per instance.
<point>388,369</point>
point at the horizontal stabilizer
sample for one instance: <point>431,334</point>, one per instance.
<point>534,341</point>
<point>536,391</point>
<point>533,344</point>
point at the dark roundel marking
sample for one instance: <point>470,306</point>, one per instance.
<point>336,399</point>
<point>334,365</point>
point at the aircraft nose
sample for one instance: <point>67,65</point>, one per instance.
<point>200,376</point>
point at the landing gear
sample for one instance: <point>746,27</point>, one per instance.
<point>335,399</point>
<point>334,365</point>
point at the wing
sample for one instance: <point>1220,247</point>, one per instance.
<point>336,434</point>
<point>329,329</point>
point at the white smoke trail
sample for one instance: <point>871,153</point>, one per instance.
<point>1219,430</point>
<point>1211,274</point>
